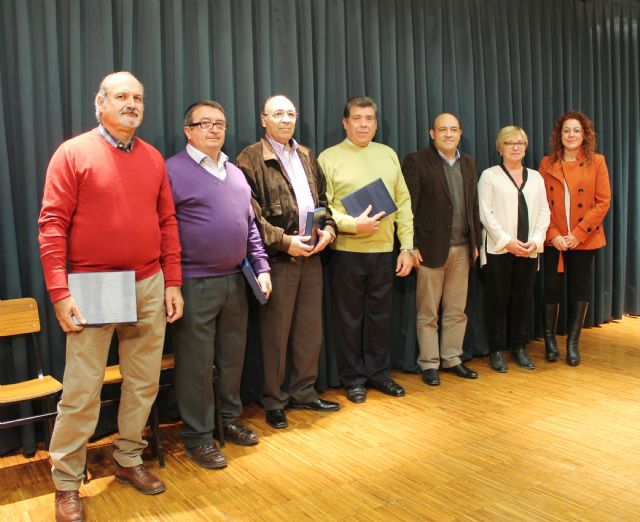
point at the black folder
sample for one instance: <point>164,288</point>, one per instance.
<point>252,280</point>
<point>105,297</point>
<point>374,194</point>
<point>315,220</point>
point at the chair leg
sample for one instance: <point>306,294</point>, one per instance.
<point>219,427</point>
<point>48,430</point>
<point>156,439</point>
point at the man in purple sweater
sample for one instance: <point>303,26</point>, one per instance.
<point>217,230</point>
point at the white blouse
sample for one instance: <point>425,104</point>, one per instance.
<point>498,198</point>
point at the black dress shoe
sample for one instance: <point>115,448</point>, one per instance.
<point>431,377</point>
<point>277,419</point>
<point>462,371</point>
<point>497,362</point>
<point>356,393</point>
<point>317,405</point>
<point>389,387</point>
<point>522,359</point>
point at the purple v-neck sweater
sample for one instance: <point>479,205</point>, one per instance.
<point>215,220</point>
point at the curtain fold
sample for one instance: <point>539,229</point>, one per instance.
<point>492,62</point>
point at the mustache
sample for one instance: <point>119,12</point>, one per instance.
<point>128,111</point>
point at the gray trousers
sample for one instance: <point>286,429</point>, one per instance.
<point>291,330</point>
<point>212,329</point>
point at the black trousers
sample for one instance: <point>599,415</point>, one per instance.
<point>510,283</point>
<point>361,312</point>
<point>577,267</point>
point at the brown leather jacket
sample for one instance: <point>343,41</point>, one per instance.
<point>274,201</point>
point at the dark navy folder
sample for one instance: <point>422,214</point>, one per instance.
<point>315,221</point>
<point>374,194</point>
<point>252,280</point>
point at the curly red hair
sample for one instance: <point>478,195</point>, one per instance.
<point>590,136</point>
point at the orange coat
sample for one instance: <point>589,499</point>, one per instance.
<point>590,196</point>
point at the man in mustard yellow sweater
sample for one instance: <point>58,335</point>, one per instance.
<point>362,261</point>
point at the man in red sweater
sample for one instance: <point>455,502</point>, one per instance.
<point>107,206</point>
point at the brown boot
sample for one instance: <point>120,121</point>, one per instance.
<point>139,478</point>
<point>69,506</point>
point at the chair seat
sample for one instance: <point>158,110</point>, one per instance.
<point>28,390</point>
<point>112,373</point>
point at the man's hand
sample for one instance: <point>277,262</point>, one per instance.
<point>299,248</point>
<point>264,282</point>
<point>366,224</point>
<point>66,309</point>
<point>404,263</point>
<point>476,254</point>
<point>516,247</point>
<point>559,242</point>
<point>324,240</point>
<point>173,303</point>
<point>417,258</point>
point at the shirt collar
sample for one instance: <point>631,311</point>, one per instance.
<point>198,156</point>
<point>278,147</point>
<point>449,161</point>
<point>113,141</point>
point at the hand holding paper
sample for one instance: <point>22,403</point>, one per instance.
<point>298,246</point>
<point>366,224</point>
<point>65,310</point>
<point>264,281</point>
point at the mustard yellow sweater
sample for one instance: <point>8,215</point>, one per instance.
<point>349,167</point>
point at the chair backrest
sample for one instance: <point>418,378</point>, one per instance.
<point>19,316</point>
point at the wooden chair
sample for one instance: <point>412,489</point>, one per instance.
<point>20,317</point>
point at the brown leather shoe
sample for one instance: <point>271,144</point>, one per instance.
<point>207,455</point>
<point>69,506</point>
<point>240,434</point>
<point>139,478</point>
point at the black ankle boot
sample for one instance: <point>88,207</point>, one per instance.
<point>577,313</point>
<point>550,323</point>
<point>497,361</point>
<point>521,358</point>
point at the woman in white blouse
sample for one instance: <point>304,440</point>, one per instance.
<point>515,215</point>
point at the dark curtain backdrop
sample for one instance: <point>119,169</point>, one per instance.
<point>492,62</point>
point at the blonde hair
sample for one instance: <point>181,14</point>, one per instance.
<point>509,132</point>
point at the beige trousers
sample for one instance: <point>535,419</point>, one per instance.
<point>140,353</point>
<point>447,285</point>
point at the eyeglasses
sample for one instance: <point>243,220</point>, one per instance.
<point>208,125</point>
<point>513,144</point>
<point>278,115</point>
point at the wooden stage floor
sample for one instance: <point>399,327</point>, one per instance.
<point>556,443</point>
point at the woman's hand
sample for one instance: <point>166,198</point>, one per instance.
<point>517,248</point>
<point>571,241</point>
<point>560,243</point>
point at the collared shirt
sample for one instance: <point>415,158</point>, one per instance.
<point>298,178</point>
<point>207,163</point>
<point>113,141</point>
<point>450,162</point>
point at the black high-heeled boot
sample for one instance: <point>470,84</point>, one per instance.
<point>577,313</point>
<point>550,323</point>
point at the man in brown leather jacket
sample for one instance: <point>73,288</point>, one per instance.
<point>286,182</point>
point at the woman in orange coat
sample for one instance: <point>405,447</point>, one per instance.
<point>579,194</point>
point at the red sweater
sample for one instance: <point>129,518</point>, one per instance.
<point>104,209</point>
